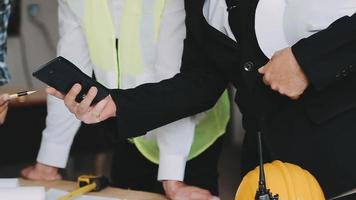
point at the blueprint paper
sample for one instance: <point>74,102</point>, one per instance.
<point>9,182</point>
<point>54,194</point>
<point>22,193</point>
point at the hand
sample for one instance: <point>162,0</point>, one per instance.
<point>283,74</point>
<point>41,172</point>
<point>176,190</point>
<point>103,110</point>
<point>4,101</point>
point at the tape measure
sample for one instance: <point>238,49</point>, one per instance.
<point>86,184</point>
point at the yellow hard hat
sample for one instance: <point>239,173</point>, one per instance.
<point>289,181</point>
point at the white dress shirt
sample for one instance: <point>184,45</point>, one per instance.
<point>174,140</point>
<point>215,13</point>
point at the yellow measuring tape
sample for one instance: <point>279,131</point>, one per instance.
<point>87,184</point>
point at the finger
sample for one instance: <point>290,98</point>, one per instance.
<point>109,110</point>
<point>85,104</point>
<point>282,91</point>
<point>4,98</point>
<point>25,172</point>
<point>262,70</point>
<point>73,92</point>
<point>203,191</point>
<point>54,92</point>
<point>265,79</point>
<point>197,190</point>
<point>69,99</point>
<point>3,115</point>
<point>274,87</point>
<point>99,107</point>
<point>191,195</point>
<point>200,196</point>
<point>94,115</point>
<point>294,97</point>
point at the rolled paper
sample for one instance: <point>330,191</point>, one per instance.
<point>22,193</point>
<point>9,182</point>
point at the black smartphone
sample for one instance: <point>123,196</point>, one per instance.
<point>61,74</point>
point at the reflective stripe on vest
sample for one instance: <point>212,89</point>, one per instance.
<point>100,33</point>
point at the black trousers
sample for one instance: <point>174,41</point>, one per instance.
<point>131,170</point>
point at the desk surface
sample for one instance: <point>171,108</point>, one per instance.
<point>108,192</point>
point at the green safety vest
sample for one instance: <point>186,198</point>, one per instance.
<point>107,54</point>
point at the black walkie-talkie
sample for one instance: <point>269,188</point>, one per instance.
<point>263,193</point>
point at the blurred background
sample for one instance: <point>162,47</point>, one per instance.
<point>32,42</point>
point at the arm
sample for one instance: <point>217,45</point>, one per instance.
<point>330,51</point>
<point>318,61</point>
<point>174,142</point>
<point>195,89</point>
<point>175,139</point>
<point>61,125</point>
<point>153,105</point>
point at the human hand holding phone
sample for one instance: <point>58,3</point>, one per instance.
<point>61,74</point>
<point>86,111</point>
<point>86,98</point>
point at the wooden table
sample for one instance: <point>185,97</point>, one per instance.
<point>108,192</point>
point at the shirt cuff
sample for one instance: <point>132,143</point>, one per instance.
<point>171,167</point>
<point>53,154</point>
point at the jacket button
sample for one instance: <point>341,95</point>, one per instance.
<point>344,73</point>
<point>248,66</point>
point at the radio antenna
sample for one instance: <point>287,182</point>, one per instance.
<point>263,193</point>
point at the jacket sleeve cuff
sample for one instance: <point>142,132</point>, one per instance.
<point>303,57</point>
<point>53,154</point>
<point>171,167</point>
<point>323,55</point>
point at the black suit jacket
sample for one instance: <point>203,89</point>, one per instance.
<point>317,131</point>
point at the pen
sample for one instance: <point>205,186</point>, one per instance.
<point>20,94</point>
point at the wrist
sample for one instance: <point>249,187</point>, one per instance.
<point>171,186</point>
<point>46,169</point>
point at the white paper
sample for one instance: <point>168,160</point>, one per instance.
<point>22,193</point>
<point>9,182</point>
<point>54,194</point>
